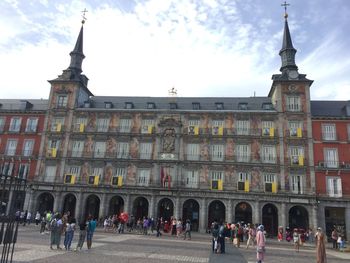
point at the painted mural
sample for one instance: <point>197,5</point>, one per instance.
<point>131,175</point>
<point>204,175</point>
<point>111,147</point>
<point>134,148</point>
<point>136,123</point>
<point>108,173</point>
<point>91,124</point>
<point>88,147</point>
<point>85,170</point>
<point>205,151</point>
<point>230,149</point>
<point>113,124</point>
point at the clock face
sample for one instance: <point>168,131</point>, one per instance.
<point>293,74</point>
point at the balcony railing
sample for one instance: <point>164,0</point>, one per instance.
<point>327,164</point>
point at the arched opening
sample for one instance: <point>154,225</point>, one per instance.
<point>298,217</point>
<point>190,211</point>
<point>216,212</point>
<point>69,204</point>
<point>116,205</point>
<point>140,208</point>
<point>165,209</point>
<point>243,213</point>
<point>92,207</point>
<point>45,203</point>
<point>270,219</point>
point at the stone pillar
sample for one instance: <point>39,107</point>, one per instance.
<point>229,211</point>
<point>347,222</point>
<point>10,203</point>
<point>127,204</point>
<point>103,206</point>
<point>78,206</point>
<point>282,220</point>
<point>313,223</point>
<point>321,219</point>
<point>233,211</point>
<point>57,202</point>
<point>256,213</point>
<point>151,207</point>
<point>177,207</point>
<point>203,216</point>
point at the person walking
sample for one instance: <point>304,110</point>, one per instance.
<point>334,237</point>
<point>90,231</point>
<point>158,226</point>
<point>82,234</point>
<point>70,228</point>
<point>320,246</point>
<point>221,238</point>
<point>43,225</point>
<point>260,244</point>
<point>251,236</point>
<point>296,239</point>
<point>29,218</point>
<point>215,235</point>
<point>37,218</point>
<point>187,230</point>
<point>56,231</point>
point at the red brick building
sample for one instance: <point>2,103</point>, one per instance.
<point>21,128</point>
<point>331,134</point>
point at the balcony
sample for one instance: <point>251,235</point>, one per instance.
<point>329,165</point>
<point>295,133</point>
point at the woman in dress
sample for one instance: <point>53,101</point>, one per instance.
<point>320,246</point>
<point>260,244</point>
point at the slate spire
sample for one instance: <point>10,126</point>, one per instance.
<point>77,54</point>
<point>287,51</point>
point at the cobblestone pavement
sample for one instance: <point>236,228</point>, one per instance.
<point>111,247</point>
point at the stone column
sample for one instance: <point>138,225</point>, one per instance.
<point>233,211</point>
<point>177,207</point>
<point>203,216</point>
<point>78,207</point>
<point>282,221</point>
<point>256,213</point>
<point>347,222</point>
<point>321,219</point>
<point>10,203</point>
<point>229,211</point>
<point>127,204</point>
<point>57,202</point>
<point>314,217</point>
<point>152,205</point>
<point>103,205</point>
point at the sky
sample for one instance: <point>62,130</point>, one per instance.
<point>216,48</point>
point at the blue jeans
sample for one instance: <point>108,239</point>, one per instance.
<point>68,239</point>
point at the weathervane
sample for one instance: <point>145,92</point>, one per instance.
<point>285,9</point>
<point>172,92</point>
<point>83,16</point>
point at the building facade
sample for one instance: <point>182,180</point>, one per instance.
<point>21,129</point>
<point>230,159</point>
<point>331,134</point>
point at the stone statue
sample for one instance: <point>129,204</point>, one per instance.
<point>169,140</point>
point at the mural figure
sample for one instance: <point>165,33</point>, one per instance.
<point>108,173</point>
<point>204,175</point>
<point>169,141</point>
<point>255,179</point>
<point>85,172</point>
<point>131,174</point>
<point>136,123</point>
<point>113,124</point>
<point>134,148</point>
<point>88,146</point>
<point>205,153</point>
<point>230,149</point>
<point>91,125</point>
<point>111,147</point>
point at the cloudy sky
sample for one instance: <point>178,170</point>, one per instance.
<point>200,47</point>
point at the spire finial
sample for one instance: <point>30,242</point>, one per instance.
<point>285,4</point>
<point>83,16</point>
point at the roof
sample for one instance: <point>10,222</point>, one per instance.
<point>330,108</point>
<point>25,105</point>
<point>183,103</point>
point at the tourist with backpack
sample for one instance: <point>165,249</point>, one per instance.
<point>91,226</point>
<point>56,231</point>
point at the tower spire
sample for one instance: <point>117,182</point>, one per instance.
<point>287,51</point>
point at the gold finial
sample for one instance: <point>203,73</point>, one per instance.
<point>285,9</point>
<point>172,92</point>
<point>83,16</point>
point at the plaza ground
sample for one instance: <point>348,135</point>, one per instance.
<point>112,247</point>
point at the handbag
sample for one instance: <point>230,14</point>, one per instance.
<point>260,249</point>
<point>235,241</point>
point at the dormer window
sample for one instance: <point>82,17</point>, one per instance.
<point>129,105</point>
<point>62,101</point>
<point>25,105</point>
<point>151,105</point>
<point>219,105</point>
<point>267,106</point>
<point>87,104</point>
<point>108,105</point>
<point>196,106</point>
<point>173,105</point>
<point>243,106</point>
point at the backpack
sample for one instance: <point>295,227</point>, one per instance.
<point>53,224</point>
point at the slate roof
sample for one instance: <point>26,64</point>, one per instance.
<point>330,108</point>
<point>24,105</point>
<point>183,103</point>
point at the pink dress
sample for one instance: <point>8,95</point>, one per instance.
<point>260,246</point>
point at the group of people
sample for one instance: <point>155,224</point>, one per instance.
<point>338,239</point>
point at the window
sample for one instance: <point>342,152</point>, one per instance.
<point>7,168</point>
<point>267,128</point>
<point>217,152</point>
<point>120,171</point>
<point>23,170</point>
<point>243,106</point>
<point>196,106</point>
<point>108,105</point>
<point>95,176</point>
<point>77,148</point>
<point>243,153</point>
<point>62,101</point>
<point>102,124</point>
<point>80,124</point>
<point>193,123</point>
<point>243,181</point>
<point>331,157</point>
<point>147,126</point>
<point>173,106</point>
<point>74,170</point>
<point>125,125</point>
<point>15,124</point>
<point>11,147</point>
<point>123,150</point>
<point>31,124</point>
<point>151,105</point>
<point>28,147</point>
<point>334,186</point>
<point>295,128</point>
<point>57,123</point>
<point>216,180</point>
<point>219,105</point>
<point>293,103</point>
<point>129,105</point>
<point>329,132</point>
<point>193,151</point>
<point>100,149</point>
<point>191,179</point>
<point>50,174</point>
<point>348,131</point>
<point>267,106</point>
<point>296,155</point>
<point>52,148</point>
<point>296,184</point>
<point>268,154</point>
<point>242,127</point>
<point>143,177</point>
<point>2,123</point>
<point>270,183</point>
<point>146,150</point>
